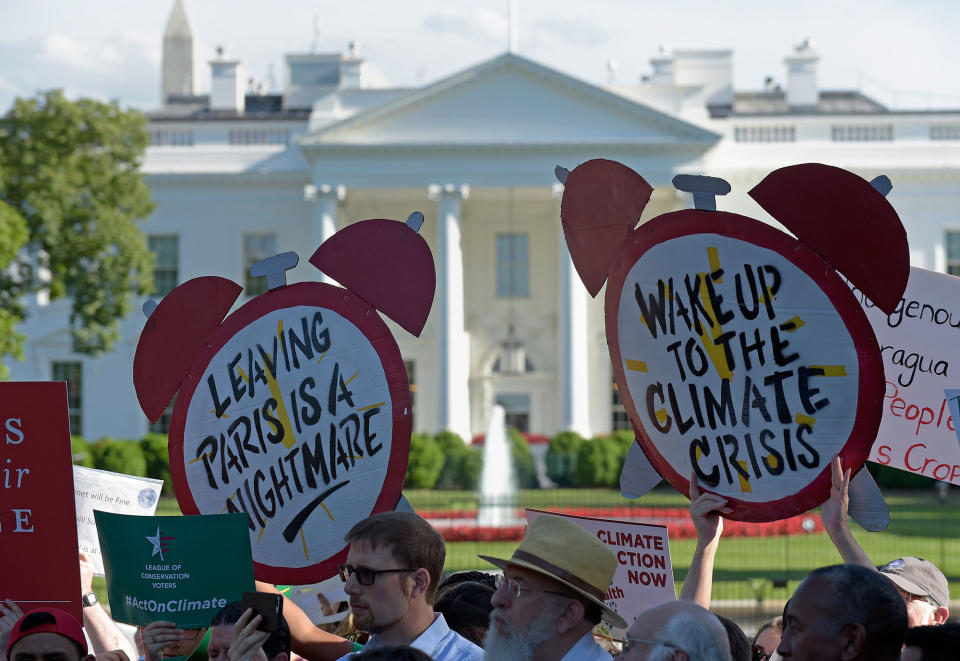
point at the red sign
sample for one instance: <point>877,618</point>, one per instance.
<point>38,527</point>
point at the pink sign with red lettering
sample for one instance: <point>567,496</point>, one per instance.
<point>38,527</point>
<point>918,343</point>
<point>644,577</point>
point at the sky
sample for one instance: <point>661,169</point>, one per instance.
<point>904,54</point>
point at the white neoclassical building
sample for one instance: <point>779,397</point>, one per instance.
<point>238,174</point>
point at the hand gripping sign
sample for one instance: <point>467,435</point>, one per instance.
<point>295,409</point>
<point>739,353</point>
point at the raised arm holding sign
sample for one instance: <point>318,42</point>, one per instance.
<point>921,584</point>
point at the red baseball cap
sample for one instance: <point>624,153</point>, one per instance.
<point>48,620</point>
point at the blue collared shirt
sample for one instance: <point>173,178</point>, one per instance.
<point>439,641</point>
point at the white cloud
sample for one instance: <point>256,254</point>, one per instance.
<point>59,48</point>
<point>478,23</point>
<point>575,31</point>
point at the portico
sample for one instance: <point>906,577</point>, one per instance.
<point>511,322</point>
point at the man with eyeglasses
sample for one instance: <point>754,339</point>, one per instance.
<point>922,585</point>
<point>551,595</point>
<point>676,631</point>
<point>393,567</point>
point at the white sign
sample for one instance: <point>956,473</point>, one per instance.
<point>293,405</point>
<point>644,577</point>
<point>920,345</point>
<point>730,372</point>
<point>307,597</point>
<point>109,492</point>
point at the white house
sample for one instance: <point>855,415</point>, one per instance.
<point>238,175</point>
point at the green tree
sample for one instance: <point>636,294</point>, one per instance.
<point>524,470</point>
<point>425,462</point>
<point>599,461</point>
<point>70,169</point>
<point>13,236</point>
<point>463,464</point>
<point>562,458</point>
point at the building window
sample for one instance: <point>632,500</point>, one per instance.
<point>162,426</point>
<point>412,384</point>
<point>171,138</point>
<point>512,266</point>
<point>861,133</point>
<point>764,134</point>
<point>259,136</point>
<point>620,419</point>
<point>167,251</point>
<point>72,373</point>
<point>953,252</point>
<point>945,132</point>
<point>255,248</point>
<point>516,408</point>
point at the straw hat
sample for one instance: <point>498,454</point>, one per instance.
<point>560,549</point>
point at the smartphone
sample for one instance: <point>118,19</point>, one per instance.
<point>268,605</point>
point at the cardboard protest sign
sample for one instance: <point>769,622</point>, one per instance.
<point>295,409</point>
<point>177,568</point>
<point>739,353</point>
<point>40,564</point>
<point>109,492</point>
<point>921,357</point>
<point>645,575</point>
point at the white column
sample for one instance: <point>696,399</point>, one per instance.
<point>452,341</point>
<point>326,201</point>
<point>574,391</point>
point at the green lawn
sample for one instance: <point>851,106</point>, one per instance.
<point>746,568</point>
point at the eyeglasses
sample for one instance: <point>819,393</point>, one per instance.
<point>907,598</point>
<point>757,653</point>
<point>365,575</point>
<point>516,589</point>
<point>629,642</point>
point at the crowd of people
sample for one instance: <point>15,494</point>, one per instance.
<point>542,603</point>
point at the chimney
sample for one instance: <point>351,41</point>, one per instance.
<point>711,70</point>
<point>802,92</point>
<point>227,84</point>
<point>352,67</point>
<point>662,65</point>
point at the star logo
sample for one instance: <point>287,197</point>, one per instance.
<point>159,543</point>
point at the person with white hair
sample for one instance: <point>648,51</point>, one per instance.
<point>676,631</point>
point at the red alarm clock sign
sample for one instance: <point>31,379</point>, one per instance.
<point>296,408</point>
<point>740,355</point>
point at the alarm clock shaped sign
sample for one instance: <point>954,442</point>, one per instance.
<point>741,356</point>
<point>295,408</point>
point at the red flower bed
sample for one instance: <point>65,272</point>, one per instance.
<point>677,520</point>
<point>532,439</point>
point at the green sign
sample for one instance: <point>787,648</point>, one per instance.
<point>177,568</point>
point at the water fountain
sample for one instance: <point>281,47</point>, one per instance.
<point>497,487</point>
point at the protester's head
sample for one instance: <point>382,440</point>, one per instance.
<point>678,631</point>
<point>766,640</point>
<point>47,633</point>
<point>393,567</point>
<point>275,648</point>
<point>466,608</point>
<point>188,642</point>
<point>844,612</point>
<point>472,575</point>
<point>923,588</point>
<point>551,592</point>
<point>739,645</point>
<point>932,643</point>
<point>392,653</point>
